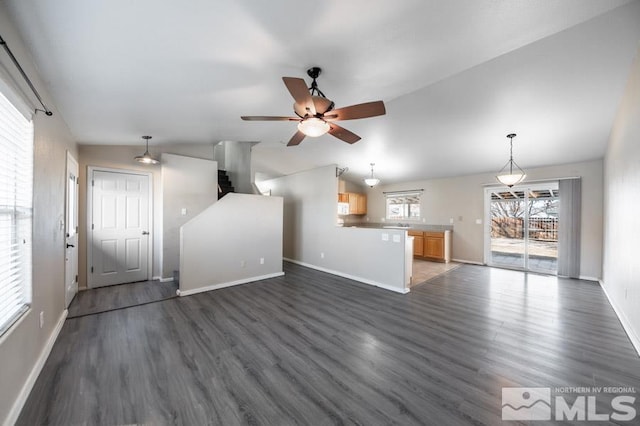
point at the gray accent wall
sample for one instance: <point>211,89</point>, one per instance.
<point>22,347</point>
<point>621,268</point>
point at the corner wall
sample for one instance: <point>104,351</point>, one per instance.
<point>312,238</point>
<point>189,186</point>
<point>24,348</point>
<point>462,198</point>
<point>621,269</point>
<point>234,241</point>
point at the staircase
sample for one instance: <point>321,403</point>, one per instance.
<point>224,184</point>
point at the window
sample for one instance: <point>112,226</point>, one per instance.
<point>16,182</point>
<point>403,205</point>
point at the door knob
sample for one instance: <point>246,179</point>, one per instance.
<point>70,245</point>
<point>145,232</point>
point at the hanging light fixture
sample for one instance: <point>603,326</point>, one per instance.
<point>313,127</point>
<point>146,158</point>
<point>511,174</point>
<point>372,181</point>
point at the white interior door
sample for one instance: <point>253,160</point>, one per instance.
<point>71,232</point>
<point>119,215</point>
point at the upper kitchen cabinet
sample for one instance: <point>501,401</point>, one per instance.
<point>357,202</point>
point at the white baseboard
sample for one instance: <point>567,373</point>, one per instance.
<point>35,372</point>
<point>228,284</point>
<point>583,277</point>
<point>351,277</point>
<point>163,280</point>
<point>626,325</point>
<point>472,262</point>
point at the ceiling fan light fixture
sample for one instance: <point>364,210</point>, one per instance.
<point>313,127</point>
<point>511,174</point>
<point>372,181</point>
<point>146,158</point>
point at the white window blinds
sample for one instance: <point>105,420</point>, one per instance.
<point>16,188</point>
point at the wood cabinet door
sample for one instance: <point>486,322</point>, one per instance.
<point>434,247</point>
<point>418,245</point>
<point>353,203</point>
<point>343,197</point>
<point>362,204</point>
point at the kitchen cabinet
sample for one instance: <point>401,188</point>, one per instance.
<point>418,242</point>
<point>432,245</point>
<point>357,202</point>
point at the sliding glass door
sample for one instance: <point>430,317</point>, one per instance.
<point>522,227</point>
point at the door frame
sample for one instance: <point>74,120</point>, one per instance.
<point>487,221</point>
<point>71,158</point>
<point>90,170</point>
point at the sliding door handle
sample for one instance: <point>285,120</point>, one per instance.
<point>145,232</point>
<point>70,245</point>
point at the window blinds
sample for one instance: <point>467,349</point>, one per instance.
<point>16,189</point>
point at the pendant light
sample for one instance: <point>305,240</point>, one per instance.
<point>511,174</point>
<point>372,181</point>
<point>146,158</point>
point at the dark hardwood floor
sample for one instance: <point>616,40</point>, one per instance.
<point>120,296</point>
<point>315,349</point>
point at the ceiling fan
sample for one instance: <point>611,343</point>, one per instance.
<point>316,114</point>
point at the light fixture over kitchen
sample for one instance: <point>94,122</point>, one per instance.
<point>372,181</point>
<point>146,158</point>
<point>511,174</point>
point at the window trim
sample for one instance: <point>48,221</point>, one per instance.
<point>403,194</point>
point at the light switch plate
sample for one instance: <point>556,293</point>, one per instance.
<point>385,237</point>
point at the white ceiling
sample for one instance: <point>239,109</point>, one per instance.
<point>456,76</point>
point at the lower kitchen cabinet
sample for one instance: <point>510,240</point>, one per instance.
<point>432,245</point>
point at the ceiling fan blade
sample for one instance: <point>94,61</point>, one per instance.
<point>343,134</point>
<point>368,109</point>
<point>300,92</point>
<point>296,139</point>
<point>268,118</point>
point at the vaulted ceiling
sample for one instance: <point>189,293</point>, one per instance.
<point>457,76</point>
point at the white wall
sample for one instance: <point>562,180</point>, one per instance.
<point>462,198</point>
<point>23,349</point>
<point>224,244</point>
<point>621,269</point>
<point>121,157</point>
<point>187,183</point>
<point>310,215</point>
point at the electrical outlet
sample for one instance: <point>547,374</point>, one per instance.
<point>451,220</point>
<point>322,255</point>
<point>478,221</point>
<point>41,319</point>
<point>396,238</point>
<point>262,260</point>
<point>183,211</point>
<point>385,237</point>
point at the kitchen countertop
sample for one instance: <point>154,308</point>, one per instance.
<point>417,227</point>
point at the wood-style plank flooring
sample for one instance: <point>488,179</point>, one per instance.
<point>103,299</point>
<point>315,349</point>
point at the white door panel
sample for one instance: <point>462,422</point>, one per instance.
<point>71,232</point>
<point>120,225</point>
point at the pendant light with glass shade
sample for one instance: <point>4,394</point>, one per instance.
<point>146,158</point>
<point>511,174</point>
<point>372,181</point>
